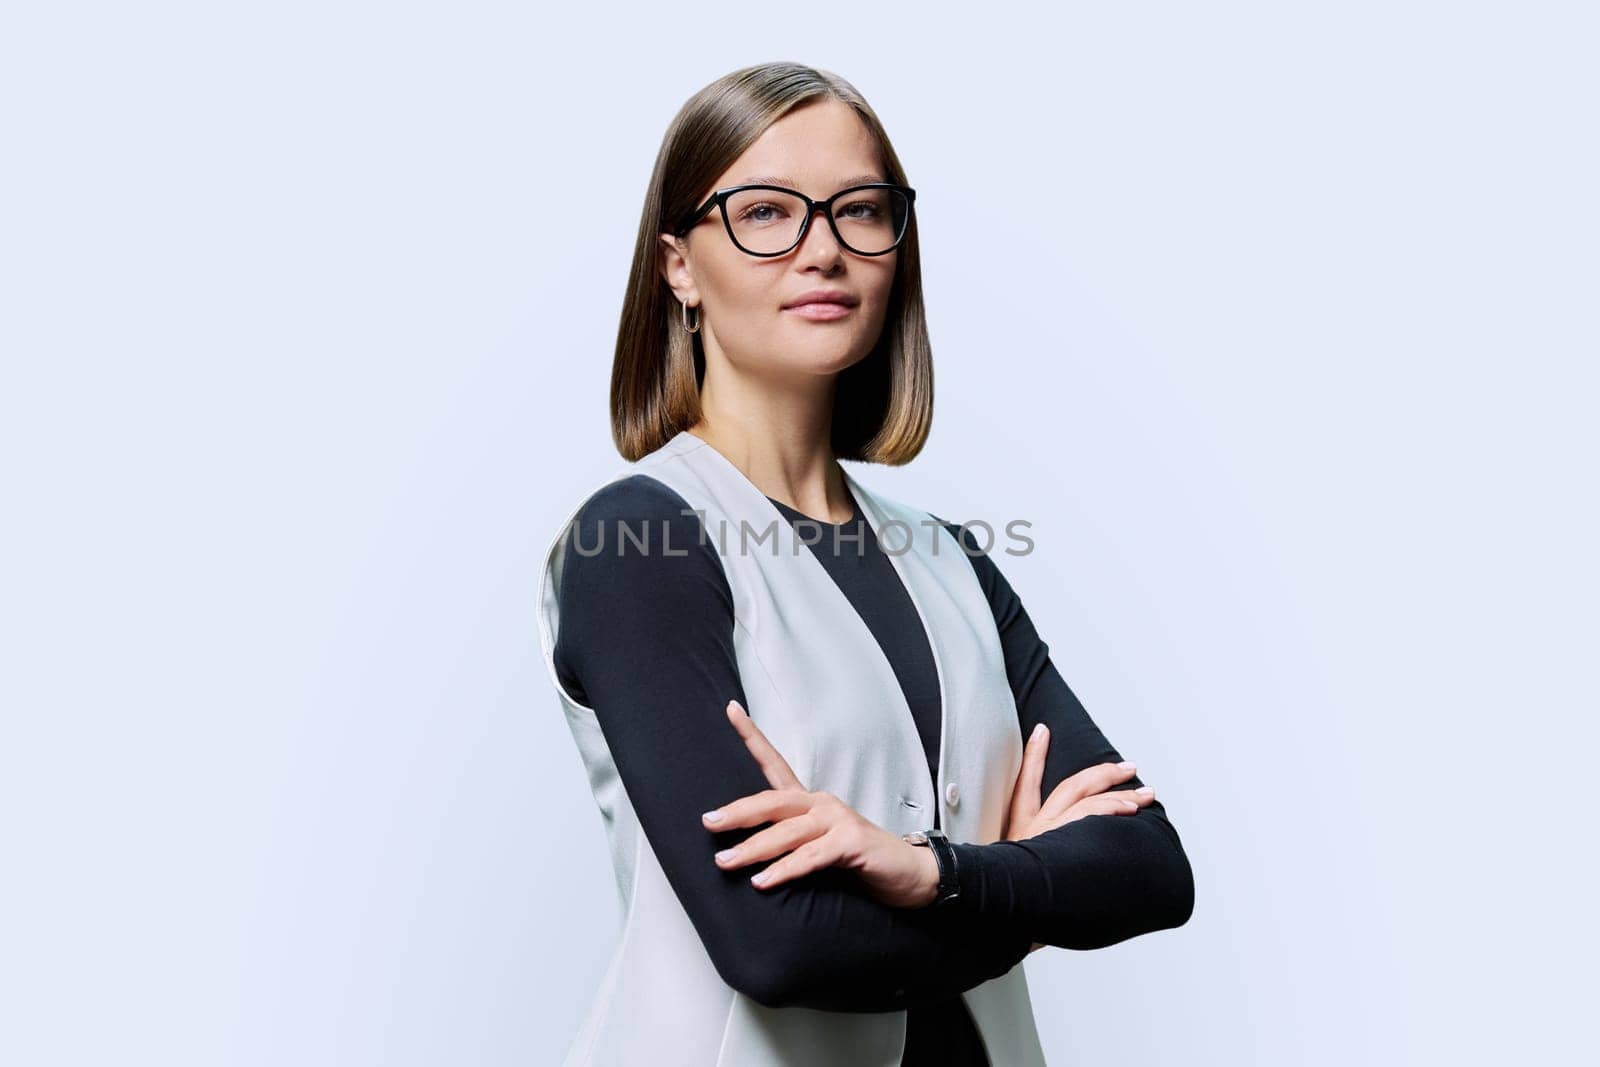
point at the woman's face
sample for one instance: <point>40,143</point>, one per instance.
<point>817,150</point>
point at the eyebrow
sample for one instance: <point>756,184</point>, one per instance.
<point>844,183</point>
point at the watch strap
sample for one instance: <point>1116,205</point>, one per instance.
<point>945,856</point>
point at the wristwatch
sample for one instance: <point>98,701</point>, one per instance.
<point>944,856</point>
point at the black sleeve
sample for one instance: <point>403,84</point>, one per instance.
<point>1094,881</point>
<point>645,638</point>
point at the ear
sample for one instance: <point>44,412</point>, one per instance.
<point>674,266</point>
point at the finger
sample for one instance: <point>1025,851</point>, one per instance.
<point>1099,804</point>
<point>769,805</point>
<point>779,774</point>
<point>1030,778</point>
<point>1087,782</point>
<point>814,855</point>
<point>1141,796</point>
<point>1120,802</point>
<point>775,840</point>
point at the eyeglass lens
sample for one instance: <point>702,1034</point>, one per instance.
<point>870,221</point>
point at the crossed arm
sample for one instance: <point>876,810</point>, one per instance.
<point>658,674</point>
<point>646,640</point>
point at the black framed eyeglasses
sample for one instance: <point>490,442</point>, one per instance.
<point>770,220</point>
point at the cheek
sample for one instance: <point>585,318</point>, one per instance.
<point>875,278</point>
<point>877,290</point>
<point>743,289</point>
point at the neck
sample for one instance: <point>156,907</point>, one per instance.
<point>791,462</point>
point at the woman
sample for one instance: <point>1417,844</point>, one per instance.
<point>787,896</point>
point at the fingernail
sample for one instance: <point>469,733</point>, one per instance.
<point>759,879</point>
<point>727,854</point>
<point>740,707</point>
<point>1038,731</point>
<point>1148,791</point>
<point>1126,764</point>
<point>712,816</point>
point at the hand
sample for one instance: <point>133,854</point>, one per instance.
<point>1084,793</point>
<point>812,831</point>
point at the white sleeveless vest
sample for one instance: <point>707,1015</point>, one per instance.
<point>821,689</point>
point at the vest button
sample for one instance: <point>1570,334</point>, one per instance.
<point>952,793</point>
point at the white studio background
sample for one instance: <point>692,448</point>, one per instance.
<point>1277,321</point>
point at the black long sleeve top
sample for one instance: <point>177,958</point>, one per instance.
<point>646,640</point>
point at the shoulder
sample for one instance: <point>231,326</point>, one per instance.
<point>636,578</point>
<point>901,511</point>
<point>994,584</point>
<point>635,496</point>
<point>637,536</point>
<point>965,538</point>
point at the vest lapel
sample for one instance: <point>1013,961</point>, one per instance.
<point>980,745</point>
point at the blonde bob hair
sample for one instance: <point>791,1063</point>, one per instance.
<point>883,404</point>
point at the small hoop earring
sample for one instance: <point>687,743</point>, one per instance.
<point>686,327</point>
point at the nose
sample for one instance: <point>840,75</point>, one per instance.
<point>830,243</point>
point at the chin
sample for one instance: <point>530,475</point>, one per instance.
<point>830,360</point>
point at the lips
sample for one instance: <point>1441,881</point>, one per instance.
<point>823,296</point>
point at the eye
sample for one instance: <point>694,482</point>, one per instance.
<point>762,212</point>
<point>868,210</point>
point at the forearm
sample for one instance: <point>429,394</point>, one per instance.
<point>1093,882</point>
<point>826,945</point>
<point>819,941</point>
